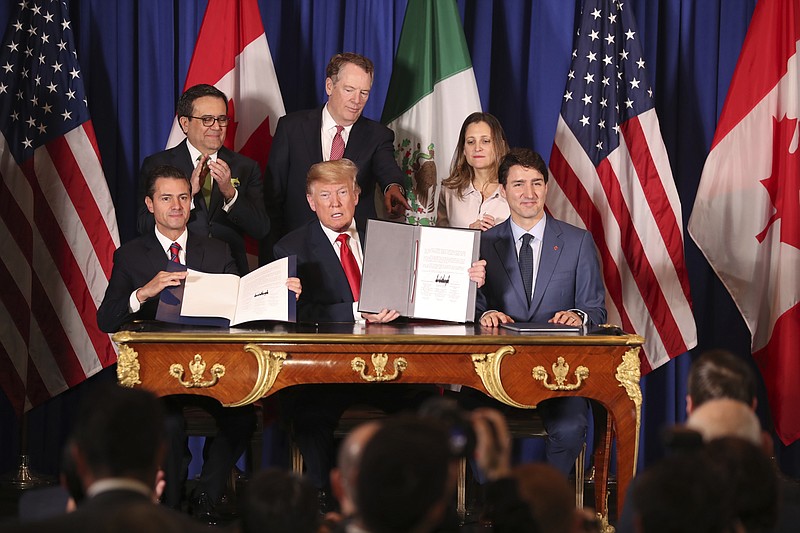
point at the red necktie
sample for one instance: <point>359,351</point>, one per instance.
<point>337,146</point>
<point>349,265</point>
<point>174,252</point>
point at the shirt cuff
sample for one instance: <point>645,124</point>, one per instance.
<point>582,314</point>
<point>402,189</point>
<point>226,206</point>
<point>133,302</point>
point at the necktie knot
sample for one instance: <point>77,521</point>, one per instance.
<point>337,146</point>
<point>349,265</point>
<point>526,239</point>
<point>174,252</point>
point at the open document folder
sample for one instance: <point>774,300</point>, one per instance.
<point>420,271</point>
<point>226,300</point>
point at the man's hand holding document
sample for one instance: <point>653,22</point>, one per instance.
<point>268,293</point>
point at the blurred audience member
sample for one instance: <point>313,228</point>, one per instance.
<point>720,374</point>
<point>277,501</point>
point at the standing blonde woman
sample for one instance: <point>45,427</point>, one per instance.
<point>470,196</point>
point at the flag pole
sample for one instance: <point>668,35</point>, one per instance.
<point>23,478</point>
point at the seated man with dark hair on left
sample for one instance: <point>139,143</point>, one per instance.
<point>137,279</point>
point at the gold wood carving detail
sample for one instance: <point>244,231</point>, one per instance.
<point>128,366</point>
<point>560,371</point>
<point>628,374</point>
<point>197,367</point>
<point>379,361</point>
<point>487,366</point>
<point>269,366</point>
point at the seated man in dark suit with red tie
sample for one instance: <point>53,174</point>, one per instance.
<point>137,279</point>
<point>329,258</point>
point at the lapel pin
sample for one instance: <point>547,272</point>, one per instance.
<point>555,248</point>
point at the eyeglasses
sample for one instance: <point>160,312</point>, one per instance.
<point>208,120</point>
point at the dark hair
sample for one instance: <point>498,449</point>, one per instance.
<point>402,475</point>
<point>721,374</point>
<point>340,60</point>
<point>163,171</point>
<point>461,173</point>
<point>119,432</point>
<point>524,157</point>
<point>185,106</point>
<point>277,501</point>
<point>752,478</point>
<point>684,492</point>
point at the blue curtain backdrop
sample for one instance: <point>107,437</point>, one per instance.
<point>135,54</point>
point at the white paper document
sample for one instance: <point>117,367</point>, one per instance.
<point>260,295</point>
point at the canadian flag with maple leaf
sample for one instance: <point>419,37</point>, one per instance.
<point>746,217</point>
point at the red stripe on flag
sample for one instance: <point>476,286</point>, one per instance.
<point>641,269</point>
<point>769,44</point>
<point>214,57</point>
<point>780,373</point>
<point>577,195</point>
<point>20,312</point>
<point>69,269</point>
<point>85,206</point>
<point>657,199</point>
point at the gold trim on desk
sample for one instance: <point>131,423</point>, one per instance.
<point>628,374</point>
<point>487,366</point>
<point>560,371</point>
<point>128,366</point>
<point>379,361</point>
<point>366,337</point>
<point>269,366</point>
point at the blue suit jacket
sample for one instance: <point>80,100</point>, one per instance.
<point>326,295</point>
<point>568,276</point>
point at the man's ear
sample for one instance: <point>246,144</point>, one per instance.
<point>502,190</point>
<point>311,203</point>
<point>184,122</point>
<point>689,405</point>
<point>329,86</point>
<point>149,203</point>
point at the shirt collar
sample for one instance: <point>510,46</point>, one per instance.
<point>333,235</point>
<point>329,124</point>
<point>118,483</point>
<point>165,242</point>
<point>537,230</point>
<point>195,154</point>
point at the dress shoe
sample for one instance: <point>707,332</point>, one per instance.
<point>203,509</point>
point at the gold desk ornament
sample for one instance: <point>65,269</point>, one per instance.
<point>379,361</point>
<point>487,366</point>
<point>628,374</point>
<point>197,367</point>
<point>128,366</point>
<point>560,371</point>
<point>270,365</point>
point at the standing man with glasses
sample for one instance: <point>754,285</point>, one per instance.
<point>227,193</point>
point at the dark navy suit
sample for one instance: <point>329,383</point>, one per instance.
<point>298,144</point>
<point>314,410</point>
<point>246,216</point>
<point>568,278</point>
<point>136,263</point>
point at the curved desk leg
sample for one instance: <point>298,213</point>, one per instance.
<point>602,457</point>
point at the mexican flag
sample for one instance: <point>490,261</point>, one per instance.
<point>431,92</point>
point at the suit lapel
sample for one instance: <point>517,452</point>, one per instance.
<point>312,136</point>
<point>195,253</point>
<point>357,140</point>
<point>155,254</point>
<point>507,252</point>
<point>323,252</point>
<point>552,245</point>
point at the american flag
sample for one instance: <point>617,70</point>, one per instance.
<point>58,229</point>
<point>612,176</point>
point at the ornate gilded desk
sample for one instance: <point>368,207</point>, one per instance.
<point>239,366</point>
